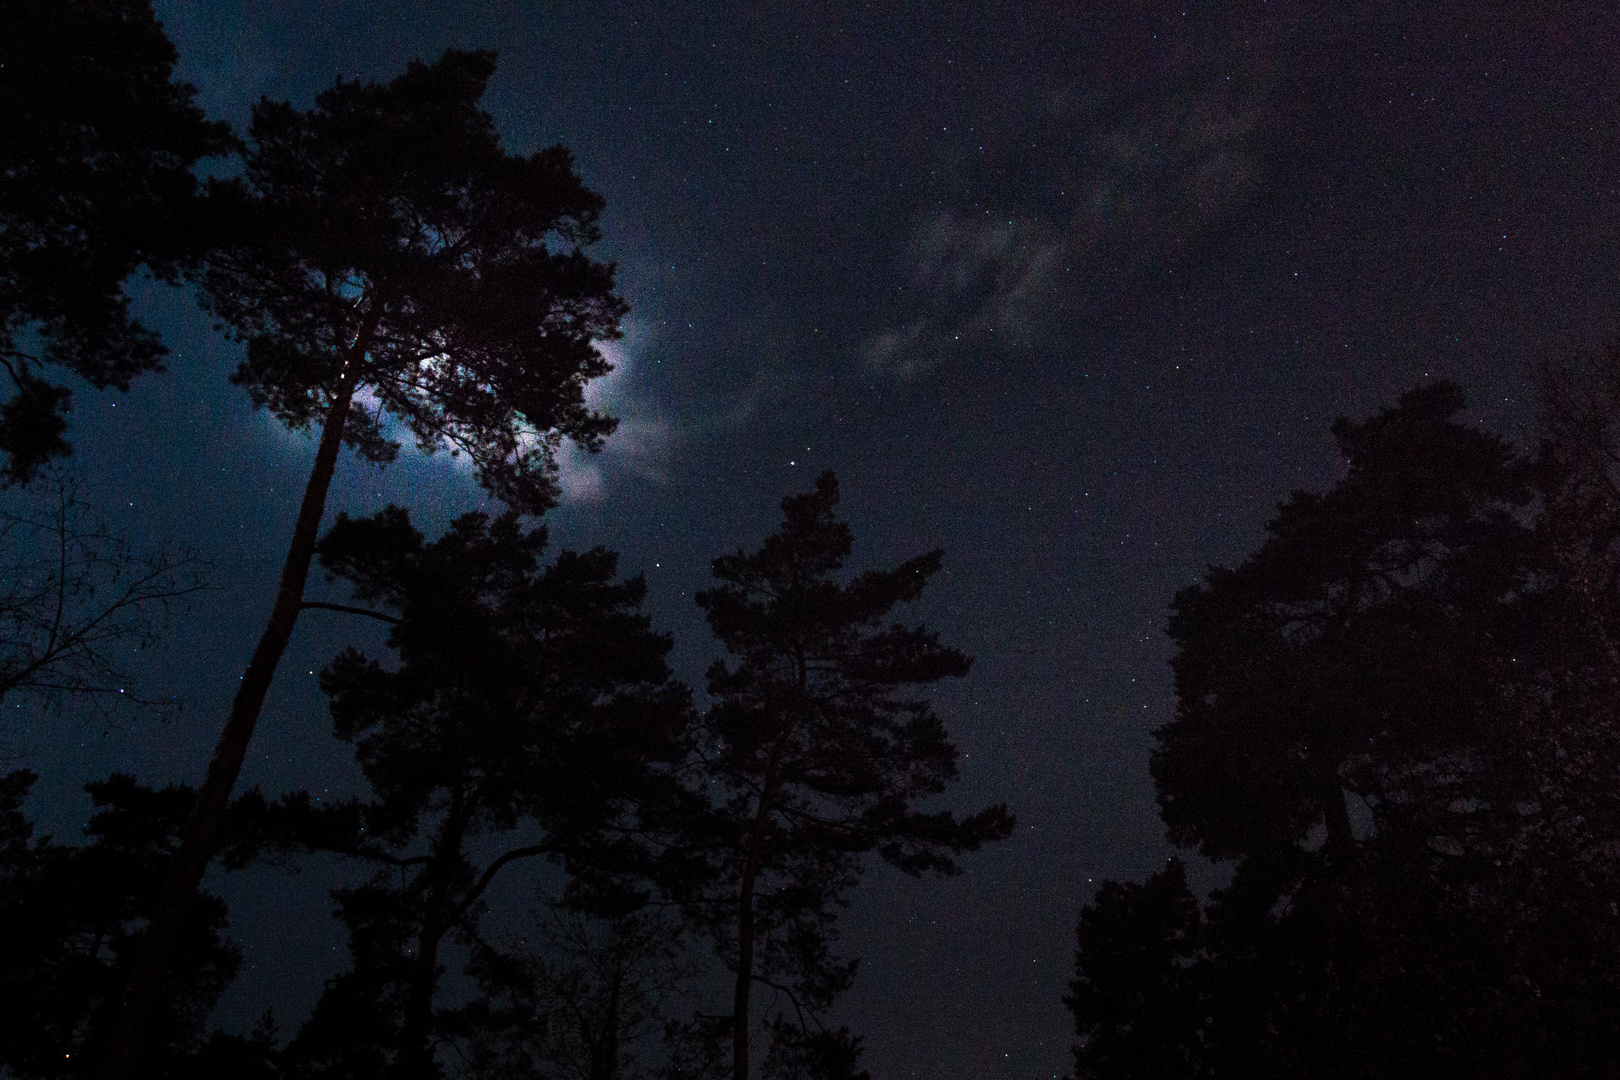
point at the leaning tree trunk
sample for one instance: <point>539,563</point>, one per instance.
<point>202,834</point>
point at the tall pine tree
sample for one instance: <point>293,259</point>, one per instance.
<point>816,754</point>
<point>385,257</point>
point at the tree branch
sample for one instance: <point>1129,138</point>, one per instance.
<point>368,613</point>
<point>489,875</point>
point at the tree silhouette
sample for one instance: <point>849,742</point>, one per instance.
<point>1362,631</point>
<point>814,758</point>
<point>384,257</point>
<point>1137,1009</point>
<point>529,710</point>
<point>96,148</point>
<point>73,916</point>
<point>1414,644</point>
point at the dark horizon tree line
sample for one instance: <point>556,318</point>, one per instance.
<point>1395,724</point>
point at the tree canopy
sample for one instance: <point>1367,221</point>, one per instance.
<point>530,705</point>
<point>385,242</point>
<point>97,143</point>
<point>1387,720</point>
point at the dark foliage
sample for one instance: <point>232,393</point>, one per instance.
<point>527,717</point>
<point>1365,630</point>
<point>588,994</point>
<point>1419,644</point>
<point>812,756</point>
<point>73,915</point>
<point>1137,1006</point>
<point>384,240</point>
<point>96,148</point>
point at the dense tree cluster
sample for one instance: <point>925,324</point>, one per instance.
<point>389,267</point>
<point>1396,724</point>
<point>383,243</point>
<point>526,717</point>
<point>73,918</point>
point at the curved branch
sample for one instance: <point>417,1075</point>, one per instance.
<point>489,875</point>
<point>367,612</point>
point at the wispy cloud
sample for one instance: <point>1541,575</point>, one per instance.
<point>1123,183</point>
<point>641,444</point>
<point>979,277</point>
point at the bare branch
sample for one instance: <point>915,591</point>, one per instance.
<point>76,602</point>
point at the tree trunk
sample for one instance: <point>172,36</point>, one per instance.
<point>745,913</point>
<point>415,1060</point>
<point>1341,838</point>
<point>745,970</point>
<point>202,833</point>
<point>605,1048</point>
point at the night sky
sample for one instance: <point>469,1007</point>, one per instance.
<point>1074,297</point>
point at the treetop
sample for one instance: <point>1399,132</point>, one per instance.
<point>383,241</point>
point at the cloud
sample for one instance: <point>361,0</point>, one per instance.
<point>643,440</point>
<point>1158,176</point>
<point>980,278</point>
<point>1109,182</point>
<point>639,446</point>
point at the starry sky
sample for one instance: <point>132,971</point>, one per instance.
<point>1072,294</point>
